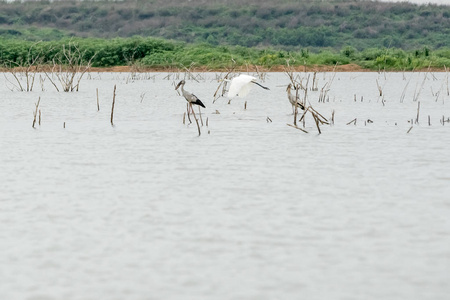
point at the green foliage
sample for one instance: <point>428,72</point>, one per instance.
<point>285,24</point>
<point>153,52</point>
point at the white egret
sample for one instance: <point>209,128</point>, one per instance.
<point>293,99</point>
<point>240,86</point>
<point>190,98</point>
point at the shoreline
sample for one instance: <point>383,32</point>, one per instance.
<point>253,68</point>
<point>249,68</point>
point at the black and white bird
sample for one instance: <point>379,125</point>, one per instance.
<point>240,86</point>
<point>293,99</point>
<point>190,98</point>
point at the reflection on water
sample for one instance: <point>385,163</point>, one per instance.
<point>249,210</point>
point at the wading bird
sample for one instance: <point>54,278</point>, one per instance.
<point>240,86</point>
<point>190,98</point>
<point>293,99</point>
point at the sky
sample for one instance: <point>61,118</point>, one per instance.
<point>447,2</point>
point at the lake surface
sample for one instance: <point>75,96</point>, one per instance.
<point>251,209</point>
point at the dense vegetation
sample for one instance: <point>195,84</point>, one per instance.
<point>158,53</point>
<point>283,24</point>
<point>219,33</point>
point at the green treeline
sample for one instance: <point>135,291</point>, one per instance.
<point>282,24</point>
<point>151,52</point>
<point>218,33</point>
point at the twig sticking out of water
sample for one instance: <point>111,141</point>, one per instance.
<point>112,108</point>
<point>380,89</point>
<point>352,121</point>
<point>206,121</point>
<point>418,111</point>
<point>184,118</point>
<point>301,129</point>
<point>200,114</point>
<point>410,129</point>
<point>64,125</point>
<point>446,79</point>
<point>268,120</point>
<point>332,117</point>
<point>326,88</point>
<point>429,121</point>
<point>196,121</point>
<point>223,84</point>
<point>314,83</point>
<point>402,97</point>
<point>98,104</point>
<point>318,118</point>
<point>416,95</point>
<point>245,105</point>
<point>35,112</point>
<point>39,117</point>
<point>317,122</point>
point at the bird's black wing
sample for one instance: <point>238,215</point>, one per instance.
<point>198,102</point>
<point>266,88</point>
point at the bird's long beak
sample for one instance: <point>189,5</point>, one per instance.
<point>178,85</point>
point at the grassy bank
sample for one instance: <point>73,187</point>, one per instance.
<point>162,54</point>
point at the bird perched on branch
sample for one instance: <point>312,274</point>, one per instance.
<point>190,98</point>
<point>293,99</point>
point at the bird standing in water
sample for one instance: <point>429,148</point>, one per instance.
<point>190,98</point>
<point>293,99</point>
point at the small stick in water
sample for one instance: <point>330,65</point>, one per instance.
<point>245,105</point>
<point>98,105</point>
<point>200,113</point>
<point>352,121</point>
<point>196,121</point>
<point>112,108</point>
<point>35,112</point>
<point>297,128</point>
<point>409,129</point>
<point>418,111</point>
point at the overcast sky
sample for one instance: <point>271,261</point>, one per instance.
<point>447,2</point>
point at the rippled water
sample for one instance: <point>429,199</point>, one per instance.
<point>251,209</point>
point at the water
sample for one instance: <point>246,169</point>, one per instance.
<point>251,209</point>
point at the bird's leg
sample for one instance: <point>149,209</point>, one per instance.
<point>200,114</point>
<point>188,113</point>
<point>196,121</point>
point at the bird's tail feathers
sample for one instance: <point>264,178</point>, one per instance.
<point>200,103</point>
